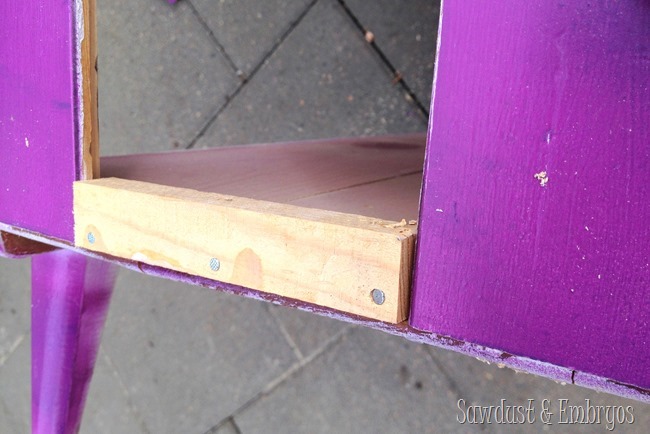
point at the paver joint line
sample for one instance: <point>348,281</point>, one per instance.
<point>285,376</point>
<point>252,74</point>
<point>397,76</point>
<point>216,42</point>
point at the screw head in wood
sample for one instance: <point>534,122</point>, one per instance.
<point>215,264</point>
<point>378,296</point>
<point>91,238</point>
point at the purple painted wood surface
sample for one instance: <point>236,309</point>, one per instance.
<point>38,114</point>
<point>70,297</point>
<point>558,373</point>
<point>535,222</point>
<point>491,355</point>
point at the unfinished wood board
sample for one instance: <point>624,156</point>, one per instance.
<point>389,199</point>
<point>321,257</point>
<point>14,246</point>
<point>279,172</point>
<point>90,139</point>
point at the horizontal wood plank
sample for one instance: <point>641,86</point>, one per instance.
<point>389,199</point>
<point>317,256</point>
<point>278,172</point>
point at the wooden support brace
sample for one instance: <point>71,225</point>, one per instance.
<point>322,257</point>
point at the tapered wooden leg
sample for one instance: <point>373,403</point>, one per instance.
<point>70,298</point>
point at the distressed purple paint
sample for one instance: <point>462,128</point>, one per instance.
<point>38,96</point>
<point>491,355</point>
<point>481,352</point>
<point>70,297</point>
<point>552,266</point>
<point>484,353</point>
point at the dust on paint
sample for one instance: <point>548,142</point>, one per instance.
<point>542,177</point>
<point>26,142</point>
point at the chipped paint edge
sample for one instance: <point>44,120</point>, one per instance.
<point>485,354</point>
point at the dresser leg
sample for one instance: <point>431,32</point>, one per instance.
<point>70,298</point>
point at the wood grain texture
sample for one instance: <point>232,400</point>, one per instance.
<point>90,139</point>
<point>14,246</point>
<point>278,172</point>
<point>40,114</point>
<point>534,235</point>
<point>389,199</point>
<point>321,257</point>
<point>403,329</point>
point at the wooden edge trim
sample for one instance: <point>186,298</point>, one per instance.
<point>406,275</point>
<point>15,246</point>
<point>90,148</point>
<point>326,258</point>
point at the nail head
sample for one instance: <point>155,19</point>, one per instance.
<point>378,296</point>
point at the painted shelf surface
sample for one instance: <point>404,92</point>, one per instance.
<point>323,222</point>
<point>535,235</point>
<point>47,85</point>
